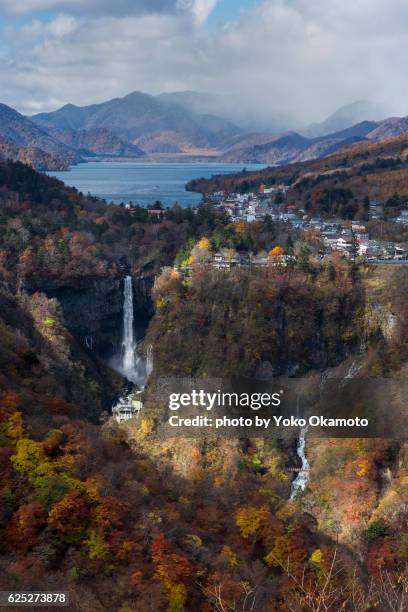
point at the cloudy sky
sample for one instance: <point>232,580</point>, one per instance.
<point>299,59</point>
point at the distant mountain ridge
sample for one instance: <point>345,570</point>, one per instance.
<point>141,119</point>
<point>178,127</point>
<point>345,117</point>
<point>293,146</point>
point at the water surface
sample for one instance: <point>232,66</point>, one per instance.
<point>144,182</point>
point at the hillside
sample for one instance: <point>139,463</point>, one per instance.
<point>293,147</point>
<point>33,156</point>
<point>21,132</point>
<point>389,128</point>
<point>96,142</point>
<point>128,520</point>
<point>377,170</point>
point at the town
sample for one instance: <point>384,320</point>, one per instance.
<point>351,238</point>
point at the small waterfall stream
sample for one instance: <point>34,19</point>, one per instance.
<point>149,361</point>
<point>301,480</point>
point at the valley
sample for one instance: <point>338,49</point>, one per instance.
<point>87,285</point>
<point>204,305</point>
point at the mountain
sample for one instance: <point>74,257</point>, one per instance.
<point>96,142</point>
<point>18,130</point>
<point>292,146</point>
<point>280,149</point>
<point>143,120</point>
<point>182,125</point>
<point>346,116</point>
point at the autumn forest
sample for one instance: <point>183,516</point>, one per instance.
<point>127,521</point>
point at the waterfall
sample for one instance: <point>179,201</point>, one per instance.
<point>302,478</point>
<point>132,362</point>
<point>128,363</point>
<point>133,365</point>
<point>149,361</point>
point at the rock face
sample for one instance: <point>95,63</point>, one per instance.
<point>93,310</point>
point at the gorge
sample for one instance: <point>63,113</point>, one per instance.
<point>136,521</point>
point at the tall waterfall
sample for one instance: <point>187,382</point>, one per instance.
<point>132,362</point>
<point>128,364</point>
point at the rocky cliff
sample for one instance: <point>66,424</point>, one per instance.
<point>93,309</point>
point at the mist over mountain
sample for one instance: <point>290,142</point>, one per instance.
<point>226,107</point>
<point>141,119</point>
<point>179,126</point>
<point>347,116</point>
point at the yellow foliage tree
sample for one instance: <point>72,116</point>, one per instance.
<point>316,557</point>
<point>176,594</point>
<point>146,426</point>
<point>363,468</point>
<point>250,519</point>
<point>229,556</point>
<point>277,251</point>
<point>204,244</point>
<point>29,458</point>
<point>13,427</point>
<point>97,547</point>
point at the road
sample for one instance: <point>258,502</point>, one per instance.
<point>389,262</point>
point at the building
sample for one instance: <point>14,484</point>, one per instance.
<point>401,251</point>
<point>127,407</point>
<point>403,218</point>
<point>156,212</point>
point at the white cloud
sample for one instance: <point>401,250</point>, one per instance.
<point>62,25</point>
<point>202,10</point>
<point>297,58</point>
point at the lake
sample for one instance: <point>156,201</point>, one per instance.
<point>144,182</point>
